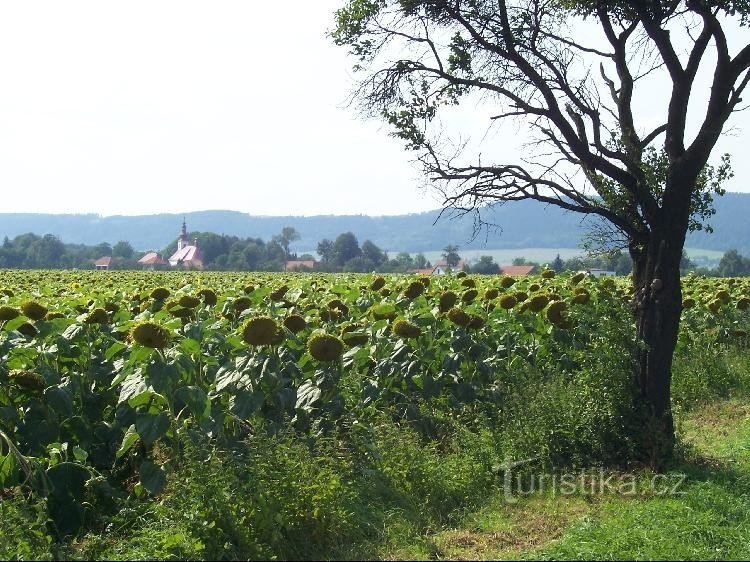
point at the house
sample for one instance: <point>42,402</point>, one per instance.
<point>103,263</point>
<point>187,255</point>
<point>442,267</point>
<point>602,272</point>
<point>294,265</point>
<point>516,270</point>
<point>151,260</point>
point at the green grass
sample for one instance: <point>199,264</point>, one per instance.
<point>710,519</point>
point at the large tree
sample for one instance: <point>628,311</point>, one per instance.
<point>571,72</point>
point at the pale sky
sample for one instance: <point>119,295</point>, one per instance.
<point>153,106</point>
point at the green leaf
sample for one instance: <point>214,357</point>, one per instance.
<point>195,399</point>
<point>245,404</point>
<point>130,439</point>
<point>151,427</point>
<point>68,480</point>
<point>153,477</point>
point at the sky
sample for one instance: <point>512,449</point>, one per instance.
<point>143,107</point>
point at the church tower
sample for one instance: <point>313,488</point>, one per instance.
<point>182,241</point>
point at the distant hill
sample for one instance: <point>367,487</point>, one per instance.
<point>524,224</point>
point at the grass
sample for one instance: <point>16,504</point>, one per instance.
<point>709,519</point>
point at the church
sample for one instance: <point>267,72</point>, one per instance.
<point>187,255</point>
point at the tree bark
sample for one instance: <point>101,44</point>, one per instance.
<point>658,306</point>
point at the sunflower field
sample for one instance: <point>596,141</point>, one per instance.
<point>107,379</point>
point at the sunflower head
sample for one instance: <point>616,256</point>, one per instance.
<point>581,298</point>
<point>555,313</point>
<point>262,330</point>
<point>208,296</point>
<point>405,329</point>
<point>548,274</point>
<point>743,303</point>
<point>28,330</point>
<point>54,316</point>
<point>459,317</point>
<point>476,322</point>
<point>469,295</point>
<point>469,283</point>
<point>537,303</point>
<point>377,283</point>
<point>33,310</point>
<point>325,347</point>
<point>491,294</point>
<point>508,302</point>
<point>8,313</point>
<point>447,300</point>
<point>578,277</point>
<point>521,296</point>
<point>240,304</point>
<point>150,335</point>
<point>723,296</point>
<point>295,323</point>
<point>187,301</point>
<point>160,294</point>
<point>355,339</point>
<point>507,282</point>
<point>279,293</point>
<point>414,289</point>
<point>97,316</point>
<point>688,303</point>
<point>337,304</point>
<point>27,379</point>
<point>461,274</point>
<point>247,289</point>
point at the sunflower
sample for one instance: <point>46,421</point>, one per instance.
<point>578,277</point>
<point>54,316</point>
<point>355,339</point>
<point>247,289</point>
<point>459,317</point>
<point>33,310</point>
<point>447,300</point>
<point>469,283</point>
<point>538,302</point>
<point>150,335</point>
<point>507,282</point>
<point>325,347</point>
<point>28,330</point>
<point>405,329</point>
<point>160,294</point>
<point>187,301</point>
<point>581,298</point>
<point>240,304</point>
<point>414,289</point>
<point>548,274</point>
<point>28,379</point>
<point>743,303</point>
<point>377,283</point>
<point>469,295</point>
<point>476,322</point>
<point>295,323</point>
<point>337,304</point>
<point>508,302</point>
<point>208,296</point>
<point>491,294</point>
<point>97,316</point>
<point>261,330</point>
<point>555,313</point>
<point>687,303</point>
<point>279,293</point>
<point>520,296</point>
<point>8,313</point>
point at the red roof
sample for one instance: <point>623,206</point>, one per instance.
<point>296,264</point>
<point>516,270</point>
<point>103,261</point>
<point>188,255</point>
<point>152,258</point>
<point>427,271</point>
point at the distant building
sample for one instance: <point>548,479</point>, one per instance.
<point>516,270</point>
<point>442,267</point>
<point>187,255</point>
<point>602,272</point>
<point>151,260</point>
<point>103,262</point>
<point>294,265</point>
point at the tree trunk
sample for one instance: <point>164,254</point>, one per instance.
<point>658,306</point>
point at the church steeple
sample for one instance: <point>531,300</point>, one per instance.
<point>183,240</point>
